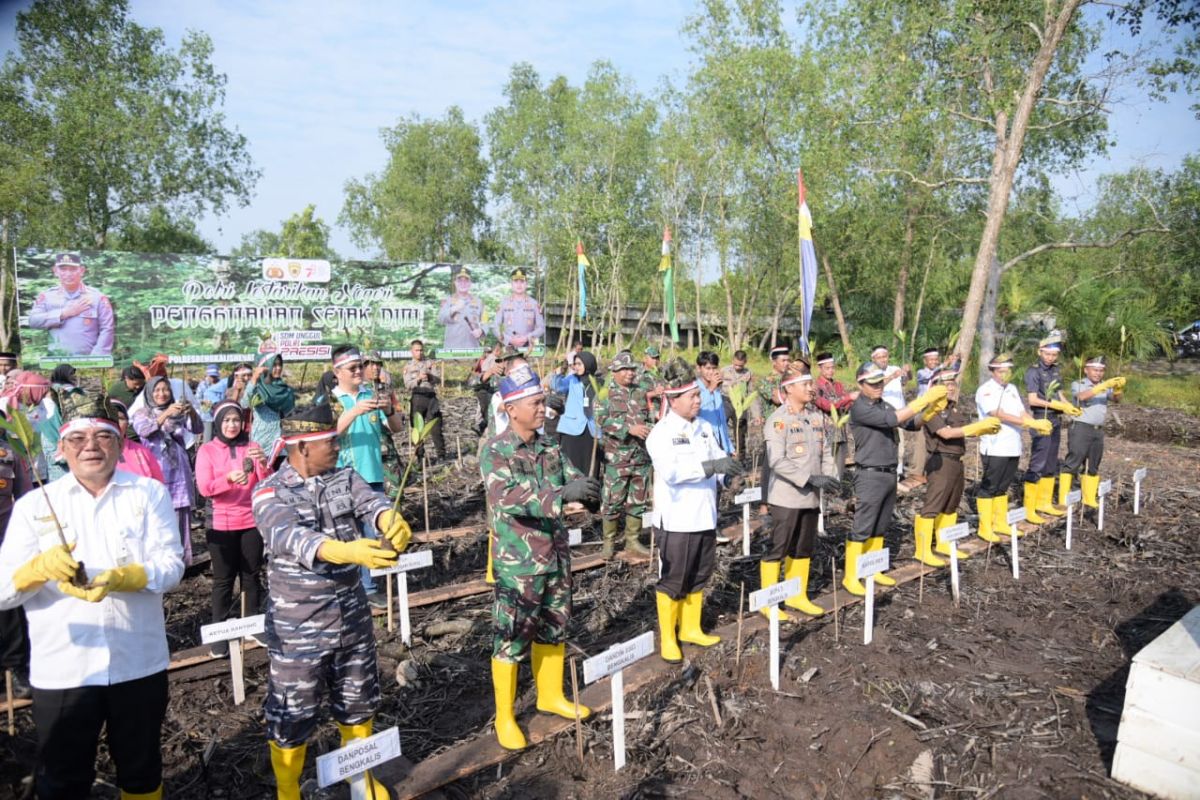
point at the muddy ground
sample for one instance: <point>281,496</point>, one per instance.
<point>1016,693</point>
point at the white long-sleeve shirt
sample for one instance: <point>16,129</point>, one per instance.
<point>990,398</point>
<point>76,643</point>
<point>684,499</point>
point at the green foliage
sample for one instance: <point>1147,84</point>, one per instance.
<point>428,203</point>
<point>158,233</point>
<point>22,438</point>
<point>115,123</point>
<point>302,235</point>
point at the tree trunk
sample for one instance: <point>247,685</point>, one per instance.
<point>987,320</point>
<point>912,344</point>
<point>847,348</point>
<point>1005,160</point>
<point>7,323</point>
<point>910,224</point>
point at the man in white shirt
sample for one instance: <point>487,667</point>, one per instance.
<point>689,468</point>
<point>1001,451</point>
<point>98,645</point>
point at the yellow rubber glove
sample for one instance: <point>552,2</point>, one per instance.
<point>1066,408</point>
<point>91,594</point>
<point>367,553</point>
<point>1116,384</point>
<point>931,396</point>
<point>935,409</point>
<point>130,578</point>
<point>984,427</point>
<point>1042,427</point>
<point>394,529</point>
<point>54,564</point>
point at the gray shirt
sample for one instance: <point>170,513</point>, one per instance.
<point>1095,410</point>
<point>873,424</point>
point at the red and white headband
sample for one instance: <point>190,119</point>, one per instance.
<point>522,392</point>
<point>803,378</point>
<point>349,357</point>
<point>681,389</point>
<point>316,436</point>
<point>88,424</point>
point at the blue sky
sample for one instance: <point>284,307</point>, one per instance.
<point>311,82</point>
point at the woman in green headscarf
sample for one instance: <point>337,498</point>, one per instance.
<point>270,398</point>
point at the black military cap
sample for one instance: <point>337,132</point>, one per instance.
<point>306,423</point>
<point>77,406</point>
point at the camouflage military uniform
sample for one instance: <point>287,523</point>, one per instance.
<point>647,381</point>
<point>319,631</point>
<point>14,635</point>
<point>627,466</point>
<point>530,554</point>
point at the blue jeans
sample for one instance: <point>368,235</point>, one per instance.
<point>369,532</point>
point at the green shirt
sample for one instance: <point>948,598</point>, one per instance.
<point>362,442</point>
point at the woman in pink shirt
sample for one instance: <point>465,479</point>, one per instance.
<point>135,456</point>
<point>227,469</point>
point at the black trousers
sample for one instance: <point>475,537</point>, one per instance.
<point>427,405</point>
<point>484,398</point>
<point>236,554</point>
<point>875,499</point>
<point>687,561</point>
<point>1085,449</point>
<point>998,475</point>
<point>793,533</point>
<point>14,634</point>
<point>579,449</point>
<point>68,723</point>
<point>1043,456</point>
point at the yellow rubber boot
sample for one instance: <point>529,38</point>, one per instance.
<point>287,764</point>
<point>873,544</point>
<point>945,521</point>
<point>155,795</point>
<point>850,582</point>
<point>689,622</point>
<point>668,619</point>
<point>1064,487</point>
<point>768,572</point>
<point>504,685</point>
<point>361,730</point>
<point>923,534</point>
<point>1046,499</point>
<point>1031,503</point>
<point>1000,518</point>
<point>986,517</point>
<point>548,678</point>
<point>489,576</point>
<point>1090,484</point>
<point>798,568</point>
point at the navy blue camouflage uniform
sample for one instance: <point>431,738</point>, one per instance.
<point>1043,450</point>
<point>319,631</point>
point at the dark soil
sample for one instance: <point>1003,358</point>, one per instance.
<point>1017,693</point>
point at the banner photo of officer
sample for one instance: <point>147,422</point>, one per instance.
<point>99,308</point>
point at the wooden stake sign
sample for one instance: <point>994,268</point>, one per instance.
<point>868,565</point>
<point>820,511</point>
<point>1073,499</point>
<point>1102,491</point>
<point>405,563</point>
<point>574,537</point>
<point>613,661</point>
<point>232,631</point>
<point>744,499</point>
<point>354,760</point>
<point>951,535</point>
<point>772,596</point>
<point>1015,517</point>
<point>1139,475</point>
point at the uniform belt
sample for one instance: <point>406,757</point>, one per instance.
<point>891,469</point>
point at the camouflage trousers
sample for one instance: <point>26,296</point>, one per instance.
<point>528,609</point>
<point>297,682</point>
<point>626,490</point>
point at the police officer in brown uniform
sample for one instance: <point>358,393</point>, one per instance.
<point>946,431</point>
<point>800,455</point>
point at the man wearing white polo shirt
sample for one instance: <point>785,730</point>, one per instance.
<point>689,467</point>
<point>98,650</point>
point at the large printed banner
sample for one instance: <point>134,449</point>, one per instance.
<point>97,308</point>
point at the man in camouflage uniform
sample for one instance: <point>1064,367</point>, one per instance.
<point>79,318</point>
<point>14,633</point>
<point>625,422</point>
<point>650,381</point>
<point>319,633</point>
<point>528,482</point>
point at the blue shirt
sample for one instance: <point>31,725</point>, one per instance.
<point>577,416</point>
<point>209,394</point>
<point>362,442</point>
<point>712,410</point>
